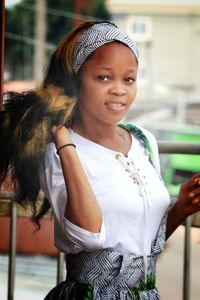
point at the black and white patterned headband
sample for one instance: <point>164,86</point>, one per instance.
<point>96,36</point>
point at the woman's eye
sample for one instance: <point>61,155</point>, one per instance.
<point>130,79</point>
<point>103,77</point>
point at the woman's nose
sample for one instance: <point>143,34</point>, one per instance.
<point>118,89</point>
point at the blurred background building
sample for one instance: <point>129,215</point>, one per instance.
<point>168,36</point>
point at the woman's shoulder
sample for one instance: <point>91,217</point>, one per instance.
<point>140,132</point>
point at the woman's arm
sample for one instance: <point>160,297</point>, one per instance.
<point>188,203</point>
<point>82,208</point>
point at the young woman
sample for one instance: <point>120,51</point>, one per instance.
<point>101,178</point>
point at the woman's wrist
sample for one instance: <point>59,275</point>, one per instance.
<point>64,146</point>
<point>180,212</point>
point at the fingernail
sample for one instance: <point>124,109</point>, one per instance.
<point>191,195</point>
<point>197,180</point>
<point>196,200</point>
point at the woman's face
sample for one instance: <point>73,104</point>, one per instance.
<point>107,84</point>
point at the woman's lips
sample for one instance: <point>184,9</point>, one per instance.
<point>117,106</point>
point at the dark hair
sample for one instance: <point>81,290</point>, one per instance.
<point>27,118</point>
<point>25,130</point>
<point>24,169</point>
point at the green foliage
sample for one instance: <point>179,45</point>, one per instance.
<point>81,291</point>
<point>149,284</point>
<point>20,21</point>
<point>100,10</point>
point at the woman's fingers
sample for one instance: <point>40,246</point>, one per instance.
<point>197,179</point>
<point>196,201</point>
<point>195,196</point>
<point>60,135</point>
<point>192,183</point>
<point>189,195</point>
<point>194,193</point>
<point>56,128</point>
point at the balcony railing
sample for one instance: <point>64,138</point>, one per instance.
<point>6,197</point>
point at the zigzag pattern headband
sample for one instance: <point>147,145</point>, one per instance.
<point>97,36</point>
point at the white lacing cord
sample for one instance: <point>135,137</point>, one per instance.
<point>146,204</point>
<point>130,166</point>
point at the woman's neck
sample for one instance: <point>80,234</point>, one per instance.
<point>109,136</point>
<point>97,132</point>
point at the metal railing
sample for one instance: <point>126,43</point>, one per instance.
<point>164,148</point>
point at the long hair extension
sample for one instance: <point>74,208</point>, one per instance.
<point>25,130</point>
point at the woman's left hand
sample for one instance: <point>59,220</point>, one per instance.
<point>188,199</point>
<point>188,203</point>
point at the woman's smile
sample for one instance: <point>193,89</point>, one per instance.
<point>115,105</point>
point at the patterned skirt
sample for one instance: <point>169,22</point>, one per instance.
<point>108,275</point>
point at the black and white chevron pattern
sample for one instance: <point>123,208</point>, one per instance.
<point>96,36</point>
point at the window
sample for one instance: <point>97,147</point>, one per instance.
<point>143,76</point>
<point>140,28</point>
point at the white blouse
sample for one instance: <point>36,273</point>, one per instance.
<point>129,190</point>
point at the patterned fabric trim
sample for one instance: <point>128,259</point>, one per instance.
<point>107,275</point>
<point>71,291</point>
<point>159,242</point>
<point>143,286</point>
<point>85,291</point>
<point>81,291</point>
<point>142,137</point>
<point>138,134</point>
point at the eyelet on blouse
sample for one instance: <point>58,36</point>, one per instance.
<point>134,172</point>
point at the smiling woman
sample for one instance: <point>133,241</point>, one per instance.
<point>101,178</point>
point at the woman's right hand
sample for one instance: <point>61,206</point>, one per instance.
<point>61,135</point>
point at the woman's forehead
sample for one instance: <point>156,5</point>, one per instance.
<point>111,55</point>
